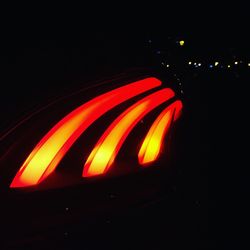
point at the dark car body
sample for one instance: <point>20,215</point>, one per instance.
<point>171,204</point>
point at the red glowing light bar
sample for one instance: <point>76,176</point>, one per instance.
<point>106,149</point>
<point>47,154</point>
<point>153,141</point>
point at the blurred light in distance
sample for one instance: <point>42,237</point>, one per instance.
<point>47,154</point>
<point>216,63</point>
<point>108,146</point>
<point>153,141</point>
<point>189,63</point>
<point>181,42</point>
<point>235,62</point>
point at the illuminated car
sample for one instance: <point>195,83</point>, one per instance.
<point>68,160</point>
<point>86,135</point>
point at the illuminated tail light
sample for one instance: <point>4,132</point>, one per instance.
<point>152,143</point>
<point>47,154</point>
<point>105,151</point>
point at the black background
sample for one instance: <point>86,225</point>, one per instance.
<point>205,205</point>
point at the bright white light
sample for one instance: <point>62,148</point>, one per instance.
<point>189,63</point>
<point>199,64</point>
<point>229,66</point>
<point>168,65</point>
<point>236,63</point>
<point>248,64</point>
<point>216,63</point>
<point>195,64</point>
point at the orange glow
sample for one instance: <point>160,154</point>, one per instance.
<point>47,154</point>
<point>108,146</point>
<point>153,141</point>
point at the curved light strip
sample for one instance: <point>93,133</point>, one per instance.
<point>47,154</point>
<point>153,141</point>
<point>106,149</point>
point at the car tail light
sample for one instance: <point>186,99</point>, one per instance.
<point>152,143</point>
<point>109,144</point>
<point>45,157</point>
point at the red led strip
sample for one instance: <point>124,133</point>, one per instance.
<point>153,141</point>
<point>47,154</point>
<point>108,146</point>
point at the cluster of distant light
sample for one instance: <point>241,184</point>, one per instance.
<point>217,64</point>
